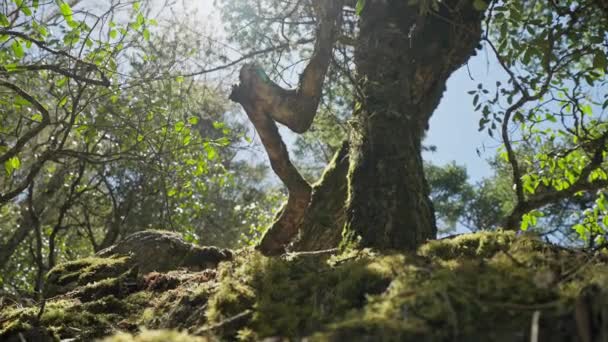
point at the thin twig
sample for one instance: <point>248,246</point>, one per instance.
<point>242,316</point>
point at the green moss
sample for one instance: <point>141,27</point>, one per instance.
<point>139,299</point>
<point>108,304</point>
<point>477,287</point>
<point>14,326</point>
<point>155,336</point>
<point>183,307</point>
<point>477,245</point>
<point>65,277</point>
<point>295,297</point>
<point>119,286</point>
<point>87,268</point>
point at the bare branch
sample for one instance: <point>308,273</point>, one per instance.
<point>266,102</point>
<point>46,120</point>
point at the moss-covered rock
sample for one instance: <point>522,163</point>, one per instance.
<point>66,277</point>
<point>478,287</point>
<point>116,269</point>
<point>162,251</point>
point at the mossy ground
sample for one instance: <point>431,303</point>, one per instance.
<point>475,287</point>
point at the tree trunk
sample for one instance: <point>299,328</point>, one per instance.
<point>403,61</point>
<point>322,225</point>
<point>404,56</point>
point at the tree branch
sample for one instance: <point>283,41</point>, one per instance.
<point>46,120</point>
<point>265,102</point>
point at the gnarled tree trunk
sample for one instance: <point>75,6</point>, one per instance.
<point>403,57</point>
<point>403,61</point>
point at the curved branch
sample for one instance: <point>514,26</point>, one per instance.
<point>42,45</point>
<point>104,82</point>
<point>245,57</point>
<point>46,120</point>
<point>295,108</point>
<point>266,102</point>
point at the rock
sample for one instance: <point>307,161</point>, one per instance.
<point>66,277</point>
<point>117,267</point>
<point>162,251</point>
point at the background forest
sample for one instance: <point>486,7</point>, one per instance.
<point>115,118</point>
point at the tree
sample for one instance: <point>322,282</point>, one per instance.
<point>397,56</point>
<point>102,135</point>
<point>403,58</point>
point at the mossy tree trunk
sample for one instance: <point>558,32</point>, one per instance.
<point>377,191</point>
<point>403,61</point>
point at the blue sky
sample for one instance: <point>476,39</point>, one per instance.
<point>454,125</point>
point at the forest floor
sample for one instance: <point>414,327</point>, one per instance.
<point>487,286</point>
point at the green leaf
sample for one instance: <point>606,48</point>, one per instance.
<point>113,33</point>
<point>140,19</point>
<point>15,162</point>
<point>42,31</point>
<point>18,49</point>
<point>599,60</point>
<point>587,110</point>
<point>525,223</point>
<point>581,231</point>
<point>359,7</point>
<point>26,10</point>
<point>4,20</point>
<point>193,120</point>
<point>73,23</point>
<point>179,79</point>
<point>12,164</point>
<point>146,34</point>
<point>66,10</point>
<point>211,152</point>
<point>480,5</point>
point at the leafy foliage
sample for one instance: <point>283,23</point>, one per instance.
<point>549,113</point>
<point>102,135</point>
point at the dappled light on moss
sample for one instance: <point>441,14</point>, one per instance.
<point>477,287</point>
<point>155,336</point>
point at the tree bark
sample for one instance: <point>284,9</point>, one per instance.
<point>321,228</point>
<point>403,61</point>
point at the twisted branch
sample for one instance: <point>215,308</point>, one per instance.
<point>266,102</point>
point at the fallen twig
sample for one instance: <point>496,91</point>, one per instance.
<point>232,320</point>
